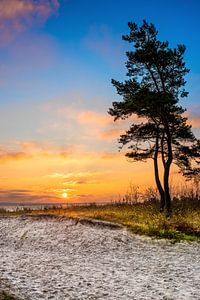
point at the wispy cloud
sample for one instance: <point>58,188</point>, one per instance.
<point>6,156</point>
<point>194,121</point>
<point>29,149</point>
<point>101,126</point>
<point>20,150</point>
<point>77,177</point>
<point>193,115</point>
<point>15,196</point>
<point>88,125</point>
<point>18,9</point>
<point>92,117</point>
<point>112,133</point>
<point>18,15</point>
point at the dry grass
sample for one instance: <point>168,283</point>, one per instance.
<point>143,218</point>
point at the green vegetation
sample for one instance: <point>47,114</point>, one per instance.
<point>140,218</point>
<point>145,218</point>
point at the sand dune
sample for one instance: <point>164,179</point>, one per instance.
<point>59,258</point>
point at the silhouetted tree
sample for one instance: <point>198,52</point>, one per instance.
<point>155,84</point>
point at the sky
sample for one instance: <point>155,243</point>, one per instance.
<point>57,59</point>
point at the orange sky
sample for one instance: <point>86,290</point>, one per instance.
<point>45,176</point>
<point>43,173</point>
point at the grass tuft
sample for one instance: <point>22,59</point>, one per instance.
<point>140,218</point>
<point>7,296</point>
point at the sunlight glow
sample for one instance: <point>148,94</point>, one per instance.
<point>64,195</point>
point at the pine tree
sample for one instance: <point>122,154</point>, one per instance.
<point>152,92</point>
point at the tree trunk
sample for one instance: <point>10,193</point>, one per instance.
<point>167,171</point>
<point>157,179</point>
<point>166,188</point>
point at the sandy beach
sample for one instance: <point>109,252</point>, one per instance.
<point>60,258</point>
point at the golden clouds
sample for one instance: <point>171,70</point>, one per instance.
<point>47,174</point>
<point>83,162</point>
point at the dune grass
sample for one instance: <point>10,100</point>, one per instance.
<point>141,218</point>
<point>7,296</point>
<point>145,218</point>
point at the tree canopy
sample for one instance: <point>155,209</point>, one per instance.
<point>152,91</point>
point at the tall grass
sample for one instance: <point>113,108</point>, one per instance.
<point>139,212</point>
<point>143,217</point>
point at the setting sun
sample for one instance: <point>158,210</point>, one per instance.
<point>64,195</point>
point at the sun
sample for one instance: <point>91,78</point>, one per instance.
<point>64,195</point>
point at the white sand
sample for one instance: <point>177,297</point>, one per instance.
<point>59,259</point>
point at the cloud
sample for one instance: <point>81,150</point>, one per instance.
<point>17,9</point>
<point>35,148</point>
<point>20,150</point>
<point>110,155</point>
<point>193,115</point>
<point>92,117</point>
<point>16,16</point>
<point>58,175</point>
<point>195,121</point>
<point>28,149</point>
<point>88,125</point>
<point>14,191</point>
<point>102,127</point>
<point>60,130</point>
<point>112,133</point>
<point>23,196</point>
<point>104,119</point>
<point>77,177</point>
<point>7,156</point>
<point>80,175</point>
<point>88,196</point>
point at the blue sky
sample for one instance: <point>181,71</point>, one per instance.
<point>57,59</point>
<point>84,38</point>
